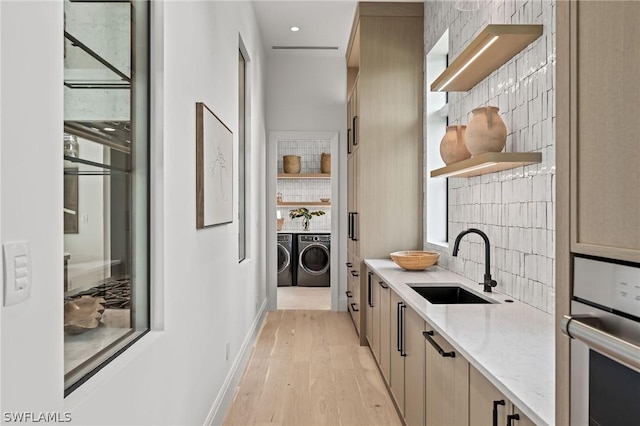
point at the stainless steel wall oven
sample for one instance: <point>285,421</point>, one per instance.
<point>605,349</point>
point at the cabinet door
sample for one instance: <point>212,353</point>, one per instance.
<point>414,365</point>
<point>385,330</point>
<point>353,302</point>
<point>369,310</point>
<point>397,358</point>
<point>522,420</point>
<point>375,317</point>
<point>353,219</point>
<point>447,385</point>
<point>604,139</point>
<point>483,397</point>
<point>355,131</point>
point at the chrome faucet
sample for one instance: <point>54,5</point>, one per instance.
<point>488,281</point>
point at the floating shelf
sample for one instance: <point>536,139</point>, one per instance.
<point>491,49</point>
<point>489,162</point>
<point>304,175</point>
<point>302,203</point>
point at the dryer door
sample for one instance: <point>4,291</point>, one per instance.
<point>284,258</point>
<point>315,259</point>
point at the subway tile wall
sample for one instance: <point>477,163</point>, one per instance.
<point>294,190</point>
<point>515,208</point>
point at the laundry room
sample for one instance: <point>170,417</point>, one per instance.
<point>303,203</point>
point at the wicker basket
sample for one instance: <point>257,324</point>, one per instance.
<point>291,163</point>
<point>415,260</point>
<point>325,163</point>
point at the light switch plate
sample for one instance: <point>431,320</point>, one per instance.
<point>17,272</point>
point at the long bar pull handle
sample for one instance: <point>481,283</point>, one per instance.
<point>585,328</point>
<point>355,273</point>
<point>402,352</point>
<point>355,133</point>
<point>354,237</point>
<point>427,335</point>
<point>398,348</point>
<point>348,293</point>
<point>369,278</point>
<point>353,307</point>
<point>383,285</point>
<point>348,141</point>
<point>511,418</point>
<point>495,410</point>
<point>350,227</point>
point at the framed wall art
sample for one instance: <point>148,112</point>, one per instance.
<point>214,169</point>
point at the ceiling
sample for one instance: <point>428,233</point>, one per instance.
<point>323,23</point>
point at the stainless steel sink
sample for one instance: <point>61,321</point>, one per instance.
<point>447,294</point>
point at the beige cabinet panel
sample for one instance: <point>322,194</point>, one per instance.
<point>384,122</point>
<point>482,398</point>
<point>397,360</point>
<point>522,420</point>
<point>369,311</point>
<point>447,386</point>
<point>605,138</point>
<point>386,345</point>
<point>414,367</point>
<point>375,317</point>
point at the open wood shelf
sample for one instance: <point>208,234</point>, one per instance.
<point>302,203</point>
<point>489,162</point>
<point>304,175</point>
<point>491,49</point>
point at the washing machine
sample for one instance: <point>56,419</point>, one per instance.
<point>285,260</point>
<point>314,259</point>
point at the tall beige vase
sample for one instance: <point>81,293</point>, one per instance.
<point>452,146</point>
<point>486,131</point>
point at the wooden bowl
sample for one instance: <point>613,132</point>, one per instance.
<point>415,260</point>
<point>82,314</point>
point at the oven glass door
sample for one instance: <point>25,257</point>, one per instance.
<point>614,392</point>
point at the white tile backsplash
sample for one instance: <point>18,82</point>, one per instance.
<point>514,207</point>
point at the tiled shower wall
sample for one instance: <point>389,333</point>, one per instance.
<point>515,208</point>
<point>293,190</point>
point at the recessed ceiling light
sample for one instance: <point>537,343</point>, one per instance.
<point>109,129</point>
<point>294,28</point>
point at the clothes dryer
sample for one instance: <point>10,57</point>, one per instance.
<point>285,260</point>
<point>314,259</point>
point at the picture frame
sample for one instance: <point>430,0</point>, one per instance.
<point>214,169</point>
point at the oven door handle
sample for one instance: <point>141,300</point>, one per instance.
<point>584,328</point>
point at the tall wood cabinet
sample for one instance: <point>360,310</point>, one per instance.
<point>385,92</point>
<point>597,148</point>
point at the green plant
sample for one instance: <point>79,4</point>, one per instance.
<point>304,213</point>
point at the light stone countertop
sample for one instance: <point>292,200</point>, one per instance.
<point>512,344</point>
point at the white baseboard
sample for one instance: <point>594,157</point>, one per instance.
<point>225,396</point>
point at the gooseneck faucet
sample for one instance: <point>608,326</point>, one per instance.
<point>488,281</point>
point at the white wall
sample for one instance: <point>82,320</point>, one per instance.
<point>307,92</point>
<point>203,297</point>
<point>516,208</point>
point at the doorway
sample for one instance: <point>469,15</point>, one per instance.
<point>303,201</point>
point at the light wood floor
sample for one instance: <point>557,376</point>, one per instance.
<point>304,297</point>
<point>307,368</point>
